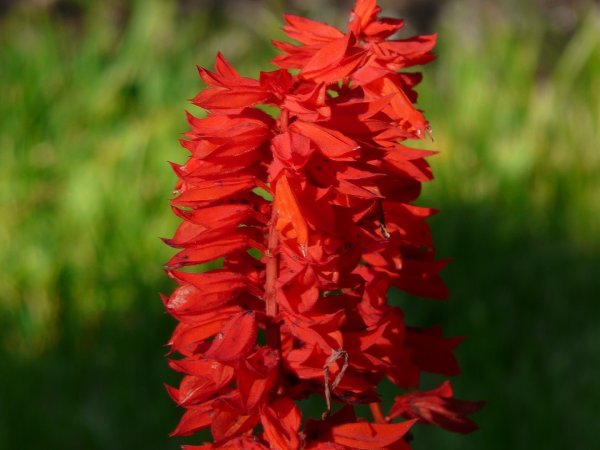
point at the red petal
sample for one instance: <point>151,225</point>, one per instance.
<point>403,107</point>
<point>288,212</point>
<point>243,443</point>
<point>208,291</point>
<point>437,407</point>
<point>364,435</point>
<point>229,90</point>
<point>309,31</point>
<point>209,191</point>
<point>202,368</point>
<point>292,149</point>
<point>227,424</point>
<point>281,422</point>
<point>329,54</point>
<point>230,99</point>
<point>383,28</point>
<point>326,446</point>
<point>256,376</point>
<point>194,419</point>
<point>338,70</point>
<point>417,45</point>
<point>208,251</point>
<point>187,336</point>
<point>236,340</point>
<point>224,68</point>
<point>298,55</point>
<point>206,379</point>
<point>331,143</point>
<point>220,216</point>
<point>364,12</point>
<point>334,61</point>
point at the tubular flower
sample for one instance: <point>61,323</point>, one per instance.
<point>309,219</point>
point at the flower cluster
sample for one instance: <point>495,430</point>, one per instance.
<point>310,220</point>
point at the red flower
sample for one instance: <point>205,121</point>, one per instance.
<point>297,302</point>
<point>437,407</point>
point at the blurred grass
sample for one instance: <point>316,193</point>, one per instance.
<point>91,105</point>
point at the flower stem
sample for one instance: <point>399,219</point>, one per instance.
<point>377,413</point>
<point>272,272</point>
<point>272,269</point>
<point>284,117</point>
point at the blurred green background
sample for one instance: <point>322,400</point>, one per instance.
<point>92,99</point>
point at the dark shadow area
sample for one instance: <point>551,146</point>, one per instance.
<point>526,302</point>
<point>96,388</point>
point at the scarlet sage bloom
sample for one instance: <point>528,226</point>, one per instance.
<point>297,306</point>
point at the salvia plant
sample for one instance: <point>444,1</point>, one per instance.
<point>309,220</point>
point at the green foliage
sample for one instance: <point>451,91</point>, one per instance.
<point>90,110</point>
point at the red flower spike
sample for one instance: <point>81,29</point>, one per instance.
<point>307,220</point>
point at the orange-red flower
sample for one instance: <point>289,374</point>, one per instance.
<point>309,218</point>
